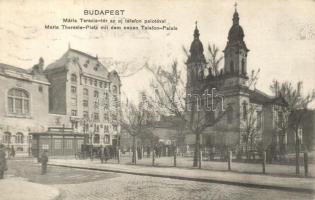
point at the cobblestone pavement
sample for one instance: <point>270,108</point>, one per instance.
<point>83,184</point>
<point>129,187</point>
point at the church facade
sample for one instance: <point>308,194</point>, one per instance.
<point>247,118</point>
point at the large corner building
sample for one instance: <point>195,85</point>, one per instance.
<point>77,91</point>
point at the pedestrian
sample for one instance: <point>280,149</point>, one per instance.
<point>102,154</point>
<point>8,150</point>
<point>3,162</point>
<point>44,161</point>
<point>106,153</point>
<point>12,152</point>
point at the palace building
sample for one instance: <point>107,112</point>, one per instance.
<point>84,95</point>
<point>75,92</point>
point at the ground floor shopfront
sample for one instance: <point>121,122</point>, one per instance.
<point>57,142</point>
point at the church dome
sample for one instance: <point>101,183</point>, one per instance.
<point>196,48</point>
<point>236,32</point>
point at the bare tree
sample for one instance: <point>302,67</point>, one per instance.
<point>137,120</point>
<point>293,114</point>
<point>251,127</point>
<point>194,112</point>
<point>214,61</point>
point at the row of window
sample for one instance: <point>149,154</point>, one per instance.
<point>96,94</point>
<point>96,139</point>
<point>19,138</point>
<point>94,116</point>
<point>97,128</point>
<point>93,82</point>
<point>230,114</point>
<point>232,67</point>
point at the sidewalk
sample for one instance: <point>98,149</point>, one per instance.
<point>231,178</point>
<point>256,168</point>
<point>13,188</point>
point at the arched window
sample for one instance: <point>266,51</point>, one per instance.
<point>19,139</point>
<point>106,139</point>
<point>7,138</point>
<point>230,114</point>
<point>18,101</point>
<point>96,139</point>
<point>85,92</point>
<point>96,94</point>
<point>231,67</point>
<point>114,89</point>
<point>73,78</point>
<point>243,66</point>
<point>244,110</point>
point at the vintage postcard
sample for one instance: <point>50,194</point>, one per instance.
<point>157,99</point>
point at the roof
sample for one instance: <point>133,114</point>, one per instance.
<point>90,65</point>
<point>257,96</point>
<point>169,122</point>
<point>10,67</point>
<point>4,68</point>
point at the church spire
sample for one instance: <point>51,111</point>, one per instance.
<point>235,52</point>
<point>235,16</point>
<point>196,32</point>
<point>196,48</point>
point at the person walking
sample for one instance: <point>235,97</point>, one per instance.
<point>106,153</point>
<point>44,161</point>
<point>3,162</point>
<point>12,151</point>
<point>102,154</point>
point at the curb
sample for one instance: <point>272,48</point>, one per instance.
<point>250,185</point>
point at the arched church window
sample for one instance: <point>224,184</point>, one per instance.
<point>243,66</point>
<point>230,114</point>
<point>231,67</point>
<point>244,110</point>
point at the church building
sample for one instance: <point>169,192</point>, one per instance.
<point>249,116</point>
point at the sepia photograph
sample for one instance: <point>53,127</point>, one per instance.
<point>157,99</point>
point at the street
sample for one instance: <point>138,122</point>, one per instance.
<point>87,184</point>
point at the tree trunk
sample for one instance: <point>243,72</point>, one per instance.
<point>246,150</point>
<point>134,161</point>
<point>297,153</point>
<point>197,150</point>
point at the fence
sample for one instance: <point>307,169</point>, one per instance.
<point>226,162</point>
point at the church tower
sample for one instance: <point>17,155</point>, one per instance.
<point>196,64</point>
<point>235,52</point>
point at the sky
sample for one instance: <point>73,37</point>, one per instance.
<point>280,35</point>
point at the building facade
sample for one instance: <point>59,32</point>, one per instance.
<point>247,117</point>
<point>85,96</point>
<point>23,105</point>
<point>76,91</point>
